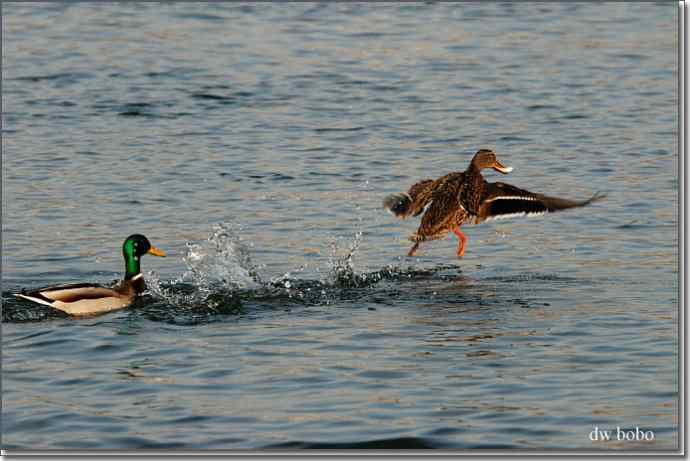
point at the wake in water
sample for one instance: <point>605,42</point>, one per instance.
<point>220,271</point>
<point>221,279</point>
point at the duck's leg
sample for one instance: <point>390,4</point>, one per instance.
<point>413,250</point>
<point>461,243</point>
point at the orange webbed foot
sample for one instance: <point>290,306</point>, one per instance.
<point>462,241</point>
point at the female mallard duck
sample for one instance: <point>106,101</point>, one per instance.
<point>464,197</point>
<point>89,298</point>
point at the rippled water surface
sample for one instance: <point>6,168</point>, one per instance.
<point>255,142</point>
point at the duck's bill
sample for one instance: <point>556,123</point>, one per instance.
<point>502,169</point>
<point>155,251</point>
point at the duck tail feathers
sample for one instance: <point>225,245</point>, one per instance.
<point>398,204</point>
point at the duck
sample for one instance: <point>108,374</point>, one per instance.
<point>465,197</point>
<point>87,299</point>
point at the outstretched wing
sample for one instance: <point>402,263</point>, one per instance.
<point>501,200</point>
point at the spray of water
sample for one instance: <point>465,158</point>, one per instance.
<point>217,268</point>
<point>341,264</point>
<point>220,274</point>
<point>222,261</point>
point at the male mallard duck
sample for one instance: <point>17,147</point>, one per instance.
<point>89,298</point>
<point>464,197</point>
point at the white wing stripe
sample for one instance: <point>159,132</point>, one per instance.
<point>512,197</point>
<point>512,215</point>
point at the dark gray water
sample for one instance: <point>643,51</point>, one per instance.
<point>254,143</point>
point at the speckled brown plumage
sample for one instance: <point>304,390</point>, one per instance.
<point>443,211</point>
<point>465,197</point>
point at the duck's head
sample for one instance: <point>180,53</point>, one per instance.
<point>486,158</point>
<point>133,249</point>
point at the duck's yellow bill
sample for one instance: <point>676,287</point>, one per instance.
<point>155,251</point>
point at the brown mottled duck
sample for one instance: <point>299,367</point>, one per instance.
<point>465,197</point>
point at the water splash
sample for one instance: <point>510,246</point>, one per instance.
<point>341,268</point>
<point>221,261</point>
<point>221,276</point>
<point>217,268</point>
